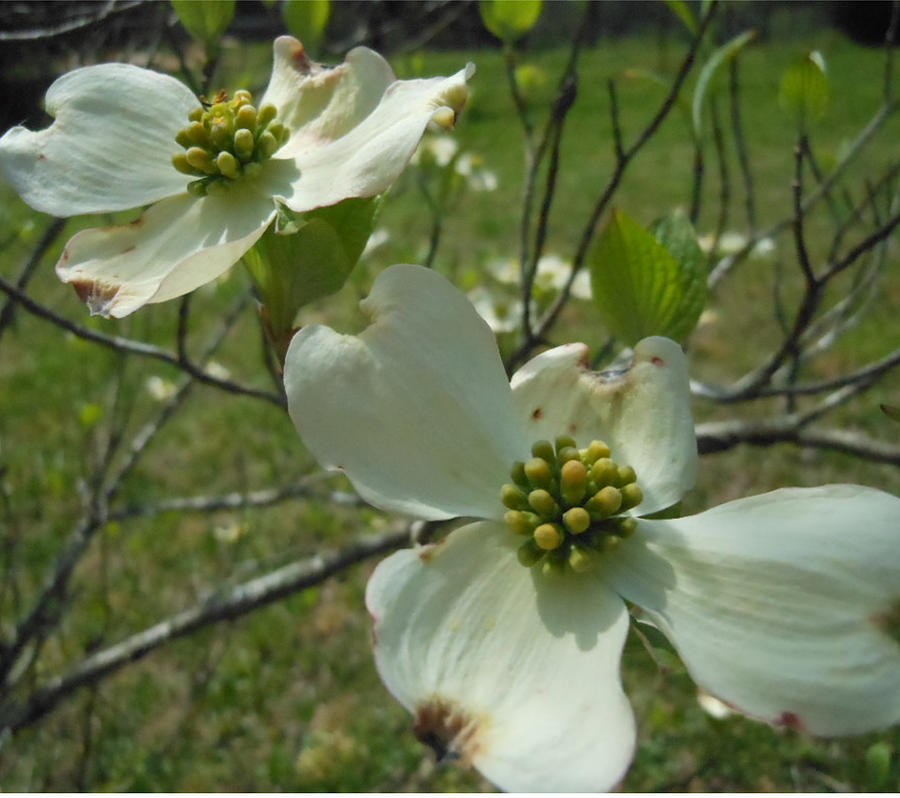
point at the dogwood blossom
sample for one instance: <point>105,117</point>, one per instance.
<point>125,137</point>
<point>504,639</point>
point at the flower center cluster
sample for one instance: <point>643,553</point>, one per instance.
<point>227,139</point>
<point>568,501</point>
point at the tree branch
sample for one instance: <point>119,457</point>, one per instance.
<point>225,605</point>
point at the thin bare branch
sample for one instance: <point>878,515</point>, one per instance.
<point>225,605</point>
<point>609,190</point>
<point>135,347</point>
<point>51,233</point>
<point>719,436</point>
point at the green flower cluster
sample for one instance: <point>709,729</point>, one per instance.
<point>568,502</point>
<point>227,139</point>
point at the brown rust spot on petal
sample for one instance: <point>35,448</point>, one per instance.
<point>790,720</point>
<point>97,296</point>
<point>448,729</point>
<point>537,413</point>
<point>888,621</point>
<point>300,59</point>
<point>656,360</point>
<point>427,553</point>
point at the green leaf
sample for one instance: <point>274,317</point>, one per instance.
<point>510,19</point>
<point>721,55</point>
<point>307,20</point>
<point>291,270</point>
<point>646,284</point>
<point>804,90</point>
<point>680,9</point>
<point>878,766</point>
<point>205,20</point>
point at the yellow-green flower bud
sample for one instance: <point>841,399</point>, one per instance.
<point>267,144</point>
<point>576,520</point>
<point>197,188</point>
<point>549,536</point>
<point>538,472</point>
<point>266,114</point>
<point>554,563</point>
<point>565,442</point>
<point>198,134</point>
<point>520,522</point>
<point>582,560</point>
<point>529,553</point>
<point>202,160</point>
<point>632,495</point>
<point>228,165</point>
<point>220,134</point>
<point>595,451</point>
<point>573,477</point>
<point>244,144</point>
<point>543,503</point>
<point>624,475</point>
<point>182,137</point>
<point>514,498</point>
<point>604,502</point>
<point>566,454</point>
<point>180,162</point>
<point>277,130</point>
<point>242,96</point>
<point>246,117</point>
<point>626,526</point>
<point>604,471</point>
<point>196,114</point>
<point>517,474</point>
<point>544,450</point>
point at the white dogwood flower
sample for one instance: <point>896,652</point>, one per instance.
<point>504,639</point>
<point>125,137</point>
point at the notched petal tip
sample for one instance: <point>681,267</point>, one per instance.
<point>294,53</point>
<point>449,730</point>
<point>98,296</point>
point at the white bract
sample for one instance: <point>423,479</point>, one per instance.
<point>125,137</point>
<point>786,605</point>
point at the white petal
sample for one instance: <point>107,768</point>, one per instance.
<point>643,414</point>
<point>366,159</point>
<point>416,409</point>
<point>516,673</point>
<point>110,147</point>
<point>176,246</point>
<point>321,103</point>
<point>780,604</point>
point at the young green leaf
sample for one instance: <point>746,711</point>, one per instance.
<point>646,284</point>
<point>205,20</point>
<point>804,91</point>
<point>722,55</point>
<point>307,20</point>
<point>291,270</point>
<point>681,10</point>
<point>510,19</point>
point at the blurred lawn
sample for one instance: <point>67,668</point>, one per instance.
<point>287,698</point>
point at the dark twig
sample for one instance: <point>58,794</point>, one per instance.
<point>120,344</point>
<point>549,318</point>
<point>740,142</point>
<point>719,436</point>
<point>51,233</point>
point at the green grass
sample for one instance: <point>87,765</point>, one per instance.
<point>287,698</point>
